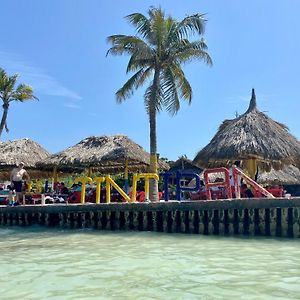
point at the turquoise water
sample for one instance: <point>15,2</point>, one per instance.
<point>39,263</point>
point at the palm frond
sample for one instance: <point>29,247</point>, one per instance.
<point>7,83</point>
<point>22,93</point>
<point>182,83</point>
<point>171,100</point>
<point>142,24</point>
<point>142,57</point>
<point>194,24</point>
<point>127,44</point>
<point>171,27</point>
<point>12,80</point>
<point>199,44</point>
<point>132,84</point>
<point>136,62</point>
<point>186,51</point>
<point>192,54</point>
<point>3,78</point>
<point>2,73</point>
<point>158,27</point>
<point>153,98</point>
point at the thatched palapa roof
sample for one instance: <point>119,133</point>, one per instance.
<point>23,150</point>
<point>251,135</point>
<point>287,176</point>
<point>105,153</point>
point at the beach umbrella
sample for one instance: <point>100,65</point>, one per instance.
<point>22,150</point>
<point>120,148</point>
<point>254,139</point>
<point>106,154</point>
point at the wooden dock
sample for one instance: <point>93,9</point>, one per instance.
<point>262,217</point>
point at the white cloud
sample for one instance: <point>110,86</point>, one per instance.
<point>36,77</point>
<point>72,105</point>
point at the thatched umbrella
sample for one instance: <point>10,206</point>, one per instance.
<point>22,150</point>
<point>251,138</point>
<point>25,150</point>
<point>289,175</point>
<point>105,153</point>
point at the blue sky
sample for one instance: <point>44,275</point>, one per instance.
<point>59,48</point>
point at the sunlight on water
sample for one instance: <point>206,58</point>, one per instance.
<point>55,264</point>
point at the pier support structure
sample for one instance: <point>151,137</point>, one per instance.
<point>260,217</point>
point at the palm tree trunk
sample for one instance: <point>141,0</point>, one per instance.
<point>153,190</point>
<point>4,117</point>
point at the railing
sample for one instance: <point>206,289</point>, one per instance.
<point>225,192</point>
<point>256,187</point>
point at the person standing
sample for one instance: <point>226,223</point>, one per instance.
<point>16,178</point>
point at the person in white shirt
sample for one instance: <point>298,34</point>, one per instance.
<point>16,178</point>
<point>231,178</point>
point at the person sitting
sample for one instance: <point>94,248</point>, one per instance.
<point>246,192</point>
<point>217,187</point>
<point>63,189</point>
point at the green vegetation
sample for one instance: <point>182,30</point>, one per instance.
<point>9,93</point>
<point>157,53</point>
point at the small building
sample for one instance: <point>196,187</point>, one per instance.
<point>183,165</point>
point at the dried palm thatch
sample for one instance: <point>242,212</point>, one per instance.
<point>287,176</point>
<point>23,150</point>
<point>104,153</point>
<point>252,135</point>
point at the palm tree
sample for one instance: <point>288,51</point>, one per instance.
<point>157,52</point>
<point>9,93</point>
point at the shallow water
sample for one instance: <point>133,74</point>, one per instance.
<point>38,263</point>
